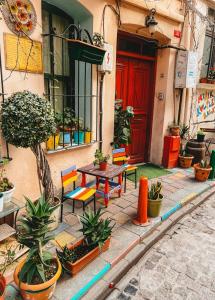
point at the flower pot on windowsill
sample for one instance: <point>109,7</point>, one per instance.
<point>79,137</point>
<point>53,142</point>
<point>77,266</point>
<point>86,52</point>
<point>42,291</point>
<point>185,161</point>
<point>203,80</point>
<point>65,138</point>
<point>87,137</point>
<point>154,207</point>
<point>202,174</point>
<point>2,287</point>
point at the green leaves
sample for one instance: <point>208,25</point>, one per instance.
<point>154,192</point>
<point>27,119</point>
<point>33,232</point>
<point>122,125</point>
<point>100,157</point>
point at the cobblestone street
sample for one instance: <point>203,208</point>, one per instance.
<point>180,266</point>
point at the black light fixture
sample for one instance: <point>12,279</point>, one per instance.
<point>150,21</point>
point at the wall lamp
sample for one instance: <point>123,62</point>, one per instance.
<point>150,21</point>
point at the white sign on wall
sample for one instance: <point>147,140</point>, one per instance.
<point>107,65</point>
<point>186,69</point>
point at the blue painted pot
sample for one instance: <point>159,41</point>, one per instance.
<point>79,136</point>
<point>67,138</point>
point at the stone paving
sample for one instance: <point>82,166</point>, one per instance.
<point>180,266</point>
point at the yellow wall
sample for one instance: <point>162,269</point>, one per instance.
<point>22,169</point>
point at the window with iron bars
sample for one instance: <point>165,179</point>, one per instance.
<point>68,84</point>
<point>208,58</point>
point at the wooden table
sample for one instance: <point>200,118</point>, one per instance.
<point>105,177</point>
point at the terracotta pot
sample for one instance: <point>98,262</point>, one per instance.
<point>43,291</point>
<point>76,267</point>
<point>175,131</point>
<point>2,287</point>
<point>203,80</point>
<point>103,166</point>
<point>201,174</point>
<point>185,161</point>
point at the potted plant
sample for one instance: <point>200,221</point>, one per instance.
<point>202,170</point>
<point>185,159</point>
<point>37,274</point>
<point>79,131</point>
<point>211,76</point>
<point>6,187</point>
<point>65,124</point>
<point>8,256</point>
<point>96,239</point>
<point>154,199</point>
<point>174,129</point>
<point>87,135</point>
<point>200,136</point>
<point>122,124</point>
<point>101,160</point>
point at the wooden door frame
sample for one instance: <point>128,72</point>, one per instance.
<point>151,94</point>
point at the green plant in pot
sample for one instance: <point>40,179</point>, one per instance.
<point>185,159</point>
<point>101,160</point>
<point>27,121</point>
<point>122,124</point>
<point>96,238</point>
<point>87,135</point>
<point>65,123</point>
<point>37,274</point>
<point>154,199</point>
<point>6,187</point>
<point>200,136</point>
<point>202,170</point>
<point>7,257</point>
<point>79,131</point>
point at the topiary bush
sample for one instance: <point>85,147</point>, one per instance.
<point>27,121</point>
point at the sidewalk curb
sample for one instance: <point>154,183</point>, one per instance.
<point>168,220</point>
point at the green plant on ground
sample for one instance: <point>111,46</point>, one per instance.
<point>33,232</point>
<point>154,192</point>
<point>95,231</point>
<point>27,121</point>
<point>100,157</point>
<point>122,124</point>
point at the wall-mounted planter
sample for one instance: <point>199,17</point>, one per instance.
<point>86,52</point>
<point>77,266</point>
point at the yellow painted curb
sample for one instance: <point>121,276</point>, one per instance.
<point>188,198</point>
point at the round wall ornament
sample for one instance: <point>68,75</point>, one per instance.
<point>20,16</point>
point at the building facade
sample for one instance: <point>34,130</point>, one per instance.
<point>143,76</point>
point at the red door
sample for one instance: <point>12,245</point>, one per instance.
<point>134,85</point>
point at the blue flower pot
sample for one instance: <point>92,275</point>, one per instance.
<point>79,136</point>
<point>67,138</point>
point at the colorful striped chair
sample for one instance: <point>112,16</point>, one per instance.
<point>120,158</point>
<point>81,194</point>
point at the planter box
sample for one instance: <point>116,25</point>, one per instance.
<point>76,267</point>
<point>86,52</point>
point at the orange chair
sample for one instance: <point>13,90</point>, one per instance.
<point>81,194</point>
<point>120,158</point>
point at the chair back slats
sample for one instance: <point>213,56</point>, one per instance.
<point>68,176</point>
<point>119,152</point>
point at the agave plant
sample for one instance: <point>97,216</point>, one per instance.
<point>204,164</point>
<point>32,231</point>
<point>154,192</point>
<point>95,230</point>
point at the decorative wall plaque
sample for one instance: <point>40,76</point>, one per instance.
<point>22,54</point>
<point>20,16</point>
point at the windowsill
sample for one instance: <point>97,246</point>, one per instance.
<point>206,86</point>
<point>68,148</point>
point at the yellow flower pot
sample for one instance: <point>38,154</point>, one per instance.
<point>53,142</point>
<point>87,137</point>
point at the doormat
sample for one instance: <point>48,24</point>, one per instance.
<point>150,171</point>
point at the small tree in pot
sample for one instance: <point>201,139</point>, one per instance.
<point>27,121</point>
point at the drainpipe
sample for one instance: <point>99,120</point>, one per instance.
<point>101,110</point>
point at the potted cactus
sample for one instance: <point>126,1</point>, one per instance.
<point>96,232</point>
<point>202,170</point>
<point>200,136</point>
<point>101,160</point>
<point>154,199</point>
